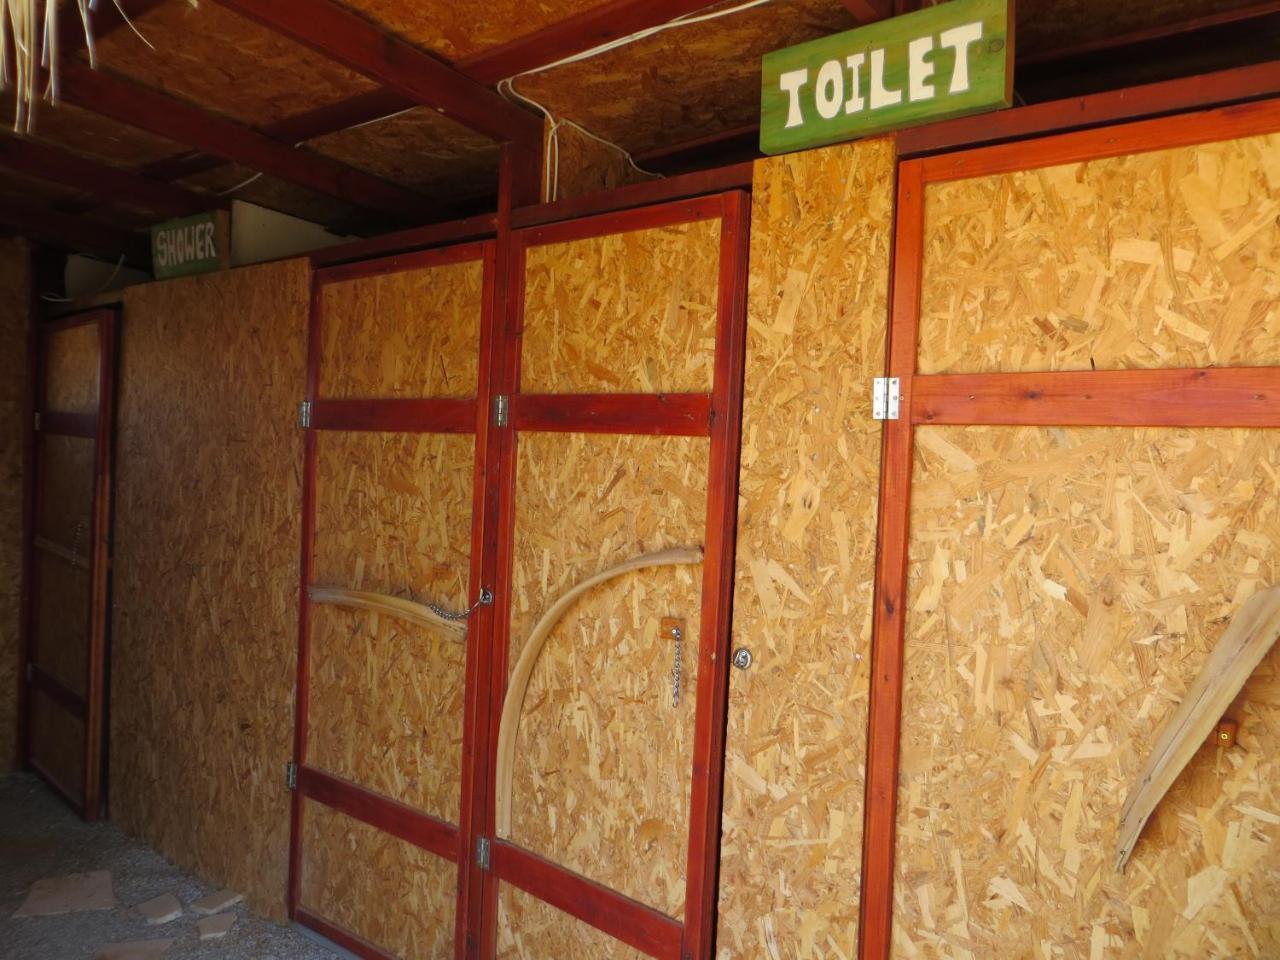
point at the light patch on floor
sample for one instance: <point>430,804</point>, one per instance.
<point>42,840</point>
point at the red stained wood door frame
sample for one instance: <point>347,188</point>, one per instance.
<point>423,415</point>
<point>716,415</point>
<point>89,707</point>
<point>1221,397</point>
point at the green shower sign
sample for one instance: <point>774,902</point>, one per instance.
<point>950,60</point>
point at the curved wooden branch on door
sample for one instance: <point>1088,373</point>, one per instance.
<point>509,725</point>
<point>1251,633</point>
<point>391,606</point>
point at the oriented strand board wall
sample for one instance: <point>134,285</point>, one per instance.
<point>208,501</point>
<point>603,760</point>
<point>349,866</point>
<point>627,312</point>
<point>792,845</point>
<point>1168,259</point>
<point>529,929</point>
<point>15,308</point>
<point>1065,587</point>
<point>393,516</point>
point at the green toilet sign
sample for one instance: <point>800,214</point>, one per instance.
<point>949,60</point>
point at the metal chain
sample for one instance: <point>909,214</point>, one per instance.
<point>678,636</point>
<point>486,598</point>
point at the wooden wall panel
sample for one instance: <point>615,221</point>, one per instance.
<point>15,308</point>
<point>71,370</point>
<point>379,887</point>
<point>66,492</point>
<point>601,779</point>
<point>206,571</point>
<point>1167,259</point>
<point>62,614</point>
<point>817,312</point>
<point>57,744</point>
<point>1065,587</point>
<point>393,516</point>
<point>393,513</point>
<point>386,707</point>
<point>529,929</point>
<point>584,166</point>
<point>622,313</point>
<point>410,334</point>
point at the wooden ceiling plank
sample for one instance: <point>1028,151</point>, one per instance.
<point>75,233</point>
<point>147,109</point>
<point>351,40</point>
<point>1103,44</point>
<point>869,11</point>
<point>107,183</point>
<point>573,35</point>
<point>589,29</point>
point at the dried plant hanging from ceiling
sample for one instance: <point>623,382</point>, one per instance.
<point>29,52</point>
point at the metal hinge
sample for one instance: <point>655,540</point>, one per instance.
<point>291,775</point>
<point>482,852</point>
<point>31,672</point>
<point>37,423</point>
<point>304,414</point>
<point>885,398</point>
<point>501,406</point>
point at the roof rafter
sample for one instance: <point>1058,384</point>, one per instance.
<point>71,170</point>
<point>351,40</point>
<point>77,233</point>
<point>869,11</point>
<point>138,106</point>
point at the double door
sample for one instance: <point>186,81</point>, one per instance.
<point>517,558</point>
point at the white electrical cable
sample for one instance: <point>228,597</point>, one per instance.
<point>551,164</point>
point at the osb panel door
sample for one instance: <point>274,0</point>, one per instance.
<point>67,556</point>
<point>1093,466</point>
<point>620,466</point>
<point>390,555</point>
<point>821,223</point>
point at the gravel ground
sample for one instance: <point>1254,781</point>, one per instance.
<point>40,837</point>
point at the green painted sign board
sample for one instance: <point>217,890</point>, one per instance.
<point>199,244</point>
<point>950,60</point>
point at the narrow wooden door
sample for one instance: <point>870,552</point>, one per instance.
<point>68,557</point>
<point>396,418</point>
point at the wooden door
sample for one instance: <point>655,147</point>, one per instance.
<point>623,372</point>
<point>68,556</point>
<point>1080,495</point>
<point>394,462</point>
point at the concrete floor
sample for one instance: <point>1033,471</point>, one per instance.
<point>40,837</point>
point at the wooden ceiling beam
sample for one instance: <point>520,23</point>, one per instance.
<point>573,35</point>
<point>130,103</point>
<point>349,39</point>
<point>108,184</point>
<point>1112,42</point>
<point>74,233</point>
<point>869,11</point>
<point>586,30</point>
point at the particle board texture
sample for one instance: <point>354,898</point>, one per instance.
<point>662,90</point>
<point>603,758</point>
<point>393,516</point>
<point>207,55</point>
<point>529,929</point>
<point>1065,587</point>
<point>205,612</point>
<point>584,166</point>
<point>15,313</point>
<point>794,768</point>
<point>71,366</point>
<point>381,888</point>
<point>420,149</point>
<point>1169,259</point>
<point>57,743</point>
<point>630,312</point>
<point>61,616</point>
<point>410,334</point>
<point>65,496</point>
